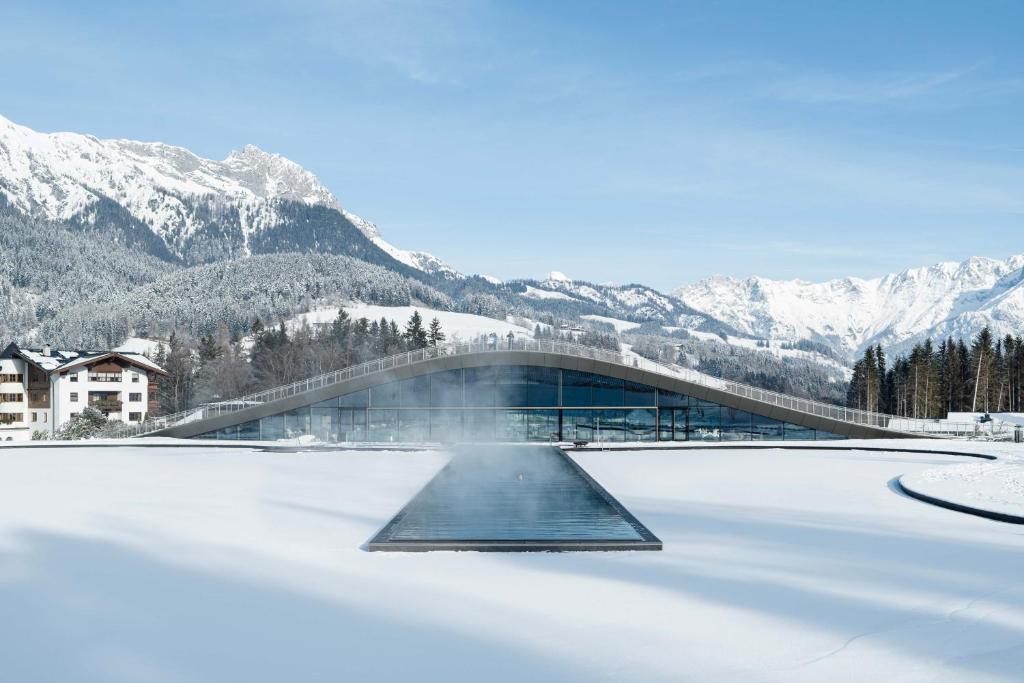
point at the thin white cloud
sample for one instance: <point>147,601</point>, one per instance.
<point>825,88</point>
<point>426,42</point>
<point>770,169</point>
<point>773,80</point>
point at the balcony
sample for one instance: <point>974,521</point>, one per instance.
<point>106,405</point>
<point>105,377</point>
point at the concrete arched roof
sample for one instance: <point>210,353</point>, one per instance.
<point>542,359</point>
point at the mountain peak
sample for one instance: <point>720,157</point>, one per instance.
<point>182,198</point>
<point>850,313</point>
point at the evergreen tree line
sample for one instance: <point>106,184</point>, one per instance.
<point>224,366</point>
<point>983,375</point>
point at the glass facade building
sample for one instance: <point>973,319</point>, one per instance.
<point>516,403</point>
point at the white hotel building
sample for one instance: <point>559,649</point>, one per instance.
<point>42,389</point>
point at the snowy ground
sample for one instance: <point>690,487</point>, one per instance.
<point>989,486</point>
<point>204,564</point>
<point>464,326</point>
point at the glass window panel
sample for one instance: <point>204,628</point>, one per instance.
<point>576,389</point>
<point>510,425</point>
<point>640,424</point>
<point>227,433</point>
<point>386,395</point>
<point>296,422</point>
<point>735,425</point>
<point>358,432</point>
<point>416,392</point>
<point>704,424</point>
<point>272,428</point>
<point>670,399</point>
<point>479,387</point>
<point>479,425</point>
<point>822,435</point>
<point>577,425</point>
<point>446,426</point>
<point>608,391</point>
<point>329,403</point>
<point>511,386</point>
<point>383,425</point>
<point>542,386</point>
<point>414,425</point>
<point>324,423</point>
<point>542,424</point>
<point>358,399</point>
<point>249,430</point>
<point>792,432</point>
<point>766,428</point>
<point>343,423</point>
<point>680,418</point>
<point>610,425</point>
<point>665,424</point>
<point>446,389</point>
<point>639,394</point>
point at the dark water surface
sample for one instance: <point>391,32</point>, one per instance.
<point>529,495</point>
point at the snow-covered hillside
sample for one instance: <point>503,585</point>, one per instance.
<point>173,192</point>
<point>849,314</point>
<point>456,326</point>
<point>420,260</point>
<point>634,301</point>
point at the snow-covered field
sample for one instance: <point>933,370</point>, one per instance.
<point>988,486</point>
<point>463,326</point>
<point>619,325</point>
<point>213,564</point>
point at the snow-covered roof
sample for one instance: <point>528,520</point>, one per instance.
<point>134,358</point>
<point>61,360</point>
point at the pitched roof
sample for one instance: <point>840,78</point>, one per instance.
<point>133,358</point>
<point>62,360</point>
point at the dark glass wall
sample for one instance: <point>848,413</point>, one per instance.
<point>516,403</point>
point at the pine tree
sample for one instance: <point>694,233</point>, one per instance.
<point>415,335</point>
<point>395,340</point>
<point>882,404</point>
<point>435,336</point>
<point>176,387</point>
<point>981,361</point>
<point>209,349</point>
<point>856,390</point>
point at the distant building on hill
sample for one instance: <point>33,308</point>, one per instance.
<point>41,389</point>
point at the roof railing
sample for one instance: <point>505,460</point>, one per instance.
<point>379,365</point>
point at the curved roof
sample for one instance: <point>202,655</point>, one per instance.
<point>804,412</point>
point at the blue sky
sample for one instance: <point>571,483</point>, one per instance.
<point>629,142</point>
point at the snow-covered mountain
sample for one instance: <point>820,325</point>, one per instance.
<point>420,260</point>
<point>634,302</point>
<point>896,310</point>
<point>197,209</point>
